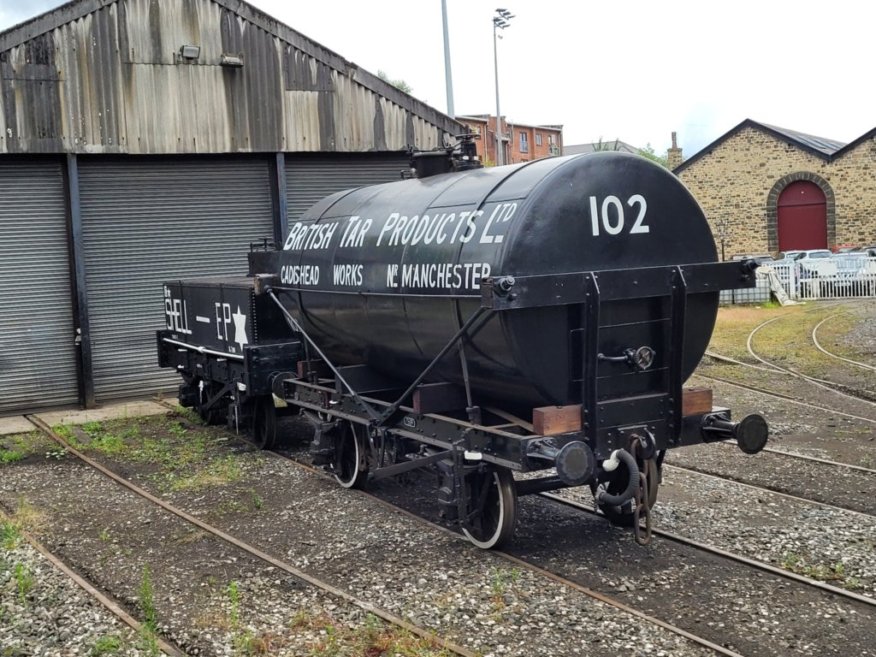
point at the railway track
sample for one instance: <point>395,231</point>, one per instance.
<point>252,550</point>
<point>856,363</point>
<point>778,395</point>
<point>98,596</point>
<point>788,496</point>
<point>796,402</point>
<point>796,486</point>
<point>516,560</point>
<point>652,618</point>
<point>676,538</point>
<point>547,572</point>
<point>753,563</point>
<point>859,396</point>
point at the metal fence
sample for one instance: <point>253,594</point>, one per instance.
<point>827,278</point>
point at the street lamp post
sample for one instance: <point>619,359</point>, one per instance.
<point>501,20</point>
<point>448,73</point>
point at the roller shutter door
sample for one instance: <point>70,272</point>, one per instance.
<point>38,358</point>
<point>310,178</point>
<point>146,221</point>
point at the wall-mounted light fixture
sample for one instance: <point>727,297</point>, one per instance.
<point>190,52</point>
<point>231,60</point>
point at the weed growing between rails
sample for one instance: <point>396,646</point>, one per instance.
<point>149,627</point>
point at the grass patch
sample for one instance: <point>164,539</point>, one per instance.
<point>65,431</point>
<point>834,573</point>
<point>372,637</point>
<point>28,518</point>
<point>110,644</point>
<point>112,438</point>
<point>19,446</point>
<point>149,626</point>
<point>734,323</point>
<point>188,415</point>
<point>221,471</point>
<point>24,581</point>
<point>10,535</point>
<point>10,456</point>
<point>180,456</point>
<point>502,579</point>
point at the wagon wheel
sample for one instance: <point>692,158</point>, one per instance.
<point>349,464</point>
<point>264,429</point>
<point>218,412</point>
<point>622,516</point>
<point>491,506</point>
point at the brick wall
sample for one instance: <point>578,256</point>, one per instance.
<point>738,183</point>
<point>486,145</point>
<point>513,152</point>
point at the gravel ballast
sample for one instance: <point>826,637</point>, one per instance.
<point>393,561</point>
<point>44,613</point>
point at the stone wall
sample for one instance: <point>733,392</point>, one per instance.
<point>738,183</point>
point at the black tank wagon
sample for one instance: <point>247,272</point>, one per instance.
<point>476,323</point>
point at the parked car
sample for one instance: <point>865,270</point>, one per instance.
<point>856,274</point>
<point>814,262</point>
<point>810,269</point>
<point>850,263</point>
<point>759,258</point>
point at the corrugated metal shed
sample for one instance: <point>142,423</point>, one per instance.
<point>107,76</point>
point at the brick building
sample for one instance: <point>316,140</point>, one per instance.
<point>521,142</point>
<point>768,189</point>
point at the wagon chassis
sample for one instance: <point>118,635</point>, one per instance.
<point>368,427</point>
<point>365,431</point>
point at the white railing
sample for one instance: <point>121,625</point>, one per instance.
<point>820,278</point>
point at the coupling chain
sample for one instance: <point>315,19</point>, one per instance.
<point>642,498</point>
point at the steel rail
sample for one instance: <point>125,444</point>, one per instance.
<point>833,355</point>
<point>249,549</point>
<point>786,398</point>
<point>754,563</point>
<point>104,600</point>
<point>781,452</point>
<point>795,498</point>
<point>811,459</point>
<point>727,359</point>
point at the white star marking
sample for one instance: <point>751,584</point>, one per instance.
<point>240,328</point>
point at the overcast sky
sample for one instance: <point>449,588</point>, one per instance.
<point>634,70</point>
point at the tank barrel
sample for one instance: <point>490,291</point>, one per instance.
<point>751,432</point>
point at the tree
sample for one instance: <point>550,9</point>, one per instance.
<point>648,151</point>
<point>401,85</point>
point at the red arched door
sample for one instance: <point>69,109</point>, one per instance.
<point>802,217</point>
